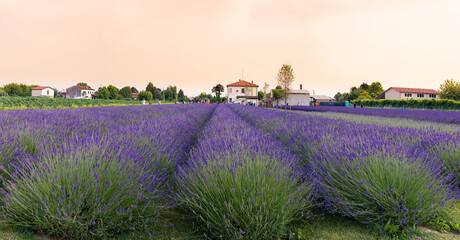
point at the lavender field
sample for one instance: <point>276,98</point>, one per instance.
<point>201,171</point>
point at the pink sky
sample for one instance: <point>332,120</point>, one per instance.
<point>331,44</point>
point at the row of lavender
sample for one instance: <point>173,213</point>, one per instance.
<point>240,184</point>
<point>374,174</point>
<point>435,116</point>
<point>94,172</point>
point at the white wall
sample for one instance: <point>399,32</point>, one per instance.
<point>393,94</point>
<point>296,99</point>
<point>47,92</point>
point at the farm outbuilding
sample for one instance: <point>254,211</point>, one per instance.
<point>79,92</point>
<point>43,92</point>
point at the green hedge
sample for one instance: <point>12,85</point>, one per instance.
<point>411,103</point>
<point>7,103</point>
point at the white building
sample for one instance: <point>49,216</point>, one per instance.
<point>295,97</point>
<point>321,99</point>
<point>79,92</point>
<point>42,92</point>
<point>242,92</point>
<point>409,93</point>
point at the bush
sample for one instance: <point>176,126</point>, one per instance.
<point>90,193</point>
<point>411,103</point>
<point>242,185</point>
<point>378,190</point>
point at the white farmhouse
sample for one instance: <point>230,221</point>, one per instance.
<point>79,92</point>
<point>42,92</point>
<point>408,93</point>
<point>243,92</point>
<point>296,97</point>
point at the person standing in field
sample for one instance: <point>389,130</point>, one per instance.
<point>143,101</point>
<point>159,102</point>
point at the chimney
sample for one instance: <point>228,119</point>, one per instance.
<point>300,86</point>
<point>252,81</point>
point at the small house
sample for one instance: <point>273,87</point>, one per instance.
<point>42,92</point>
<point>409,93</point>
<point>243,92</point>
<point>79,92</point>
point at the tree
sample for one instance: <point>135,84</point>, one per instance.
<point>265,88</point>
<point>364,86</point>
<point>168,95</point>
<point>375,89</point>
<point>278,94</point>
<point>134,90</point>
<point>26,90</point>
<point>175,93</point>
<point>217,90</point>
<point>450,89</point>
<point>144,95</point>
<point>150,88</point>
<point>364,95</point>
<point>13,89</point>
<point>82,84</point>
<point>103,93</point>
<point>157,94</point>
<point>126,92</point>
<point>55,92</point>
<point>180,95</point>
<point>260,95</point>
<point>113,92</point>
<point>3,93</point>
<point>337,96</point>
<point>285,79</point>
<point>344,97</point>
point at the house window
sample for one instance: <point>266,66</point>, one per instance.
<point>408,94</point>
<point>230,99</point>
<point>47,92</point>
<point>242,90</point>
<point>432,95</point>
<point>420,95</point>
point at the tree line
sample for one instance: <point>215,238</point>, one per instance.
<point>106,92</point>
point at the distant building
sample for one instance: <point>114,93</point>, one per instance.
<point>243,92</point>
<point>79,92</point>
<point>43,92</point>
<point>134,95</point>
<point>295,97</point>
<point>321,99</point>
<point>408,93</point>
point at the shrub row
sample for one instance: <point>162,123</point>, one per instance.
<point>95,172</point>
<point>445,104</point>
<point>372,173</point>
<point>435,116</point>
<point>7,103</point>
<point>240,184</point>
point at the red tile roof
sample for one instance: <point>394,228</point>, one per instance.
<point>415,90</point>
<point>242,83</point>
<point>134,95</point>
<point>84,87</point>
<point>39,88</point>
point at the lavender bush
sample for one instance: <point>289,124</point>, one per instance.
<point>368,172</point>
<point>98,178</point>
<point>239,184</point>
